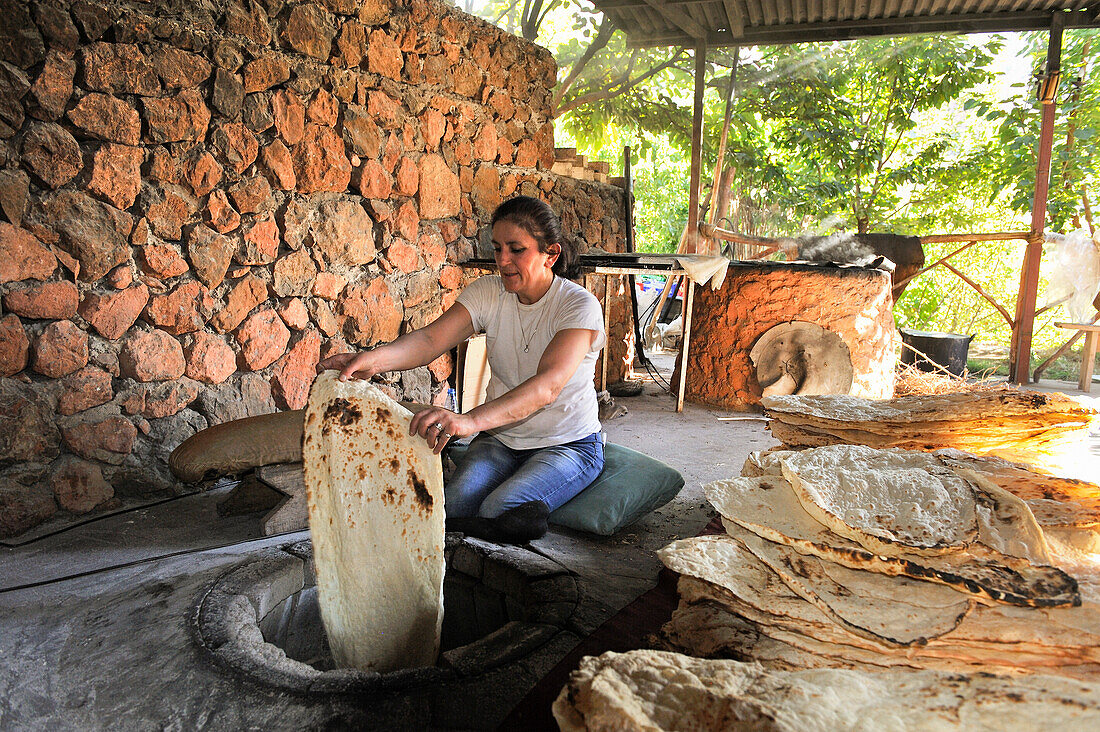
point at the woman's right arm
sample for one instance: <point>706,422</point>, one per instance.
<point>417,348</point>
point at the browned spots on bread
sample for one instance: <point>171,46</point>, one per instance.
<point>420,489</point>
<point>341,412</point>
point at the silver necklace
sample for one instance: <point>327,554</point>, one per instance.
<point>519,319</point>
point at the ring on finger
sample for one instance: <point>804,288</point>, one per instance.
<point>438,426</point>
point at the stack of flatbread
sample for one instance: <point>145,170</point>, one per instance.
<point>1036,428</point>
<point>853,557</point>
<point>658,690</point>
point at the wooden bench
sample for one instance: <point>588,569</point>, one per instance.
<point>1088,355</point>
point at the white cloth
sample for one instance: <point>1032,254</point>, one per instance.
<point>702,268</point>
<point>509,325</point>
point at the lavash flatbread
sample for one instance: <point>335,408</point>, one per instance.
<point>886,610</point>
<point>659,690</point>
<point>890,501</point>
<point>377,522</point>
<point>768,507</point>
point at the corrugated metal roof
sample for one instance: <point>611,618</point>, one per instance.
<point>773,22</point>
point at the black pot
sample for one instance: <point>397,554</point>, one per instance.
<point>940,350</point>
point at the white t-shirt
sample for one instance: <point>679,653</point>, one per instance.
<point>509,326</point>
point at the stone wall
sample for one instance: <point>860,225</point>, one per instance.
<point>855,303</point>
<point>198,200</point>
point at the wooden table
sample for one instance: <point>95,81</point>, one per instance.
<point>1088,355</point>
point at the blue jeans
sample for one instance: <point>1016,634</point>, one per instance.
<point>492,477</point>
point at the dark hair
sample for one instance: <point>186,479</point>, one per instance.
<point>539,220</point>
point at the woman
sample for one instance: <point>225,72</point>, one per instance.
<point>538,440</point>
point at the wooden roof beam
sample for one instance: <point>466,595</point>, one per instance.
<point>680,19</point>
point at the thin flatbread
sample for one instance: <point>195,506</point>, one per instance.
<point>660,690</point>
<point>768,507</point>
<point>377,522</point>
<point>890,501</point>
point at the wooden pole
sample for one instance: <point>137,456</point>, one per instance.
<point>719,163</point>
<point>696,147</point>
<point>1020,356</point>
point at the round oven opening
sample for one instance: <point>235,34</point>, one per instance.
<point>262,619</point>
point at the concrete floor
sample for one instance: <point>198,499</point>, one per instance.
<point>94,629</point>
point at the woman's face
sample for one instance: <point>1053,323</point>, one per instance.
<point>524,270</point>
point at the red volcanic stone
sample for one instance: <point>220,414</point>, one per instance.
<point>323,108</point>
<point>109,441</point>
<point>151,355</point>
<point>184,310</point>
<point>112,314</point>
<point>361,133</point>
<point>118,68</point>
<point>328,285</point>
<point>61,349</point>
<point>92,232</point>
<point>343,233</point>
<point>57,26</point>
<point>251,195</point>
<point>45,301</point>
<point>245,295</point>
<point>442,367</point>
<point>449,229</point>
<point>169,397</point>
<point>505,151</point>
<point>22,256</point>
<point>220,214</point>
<point>385,109</point>
<point>262,338</point>
<point>202,173</point>
<point>384,55</point>
<point>352,44</point>
<point>373,181</point>
<point>260,243</point>
<point>293,274</point>
<point>14,192</point>
<point>162,261</point>
<point>294,313</point>
<point>370,313</point>
<point>419,288</point>
<point>527,154</point>
<point>265,72</point>
<point>163,166</point>
<point>116,174</point>
<point>51,154</point>
<point>249,19</point>
<point>403,256</point>
<point>89,387</point>
<point>486,191</point>
<point>320,163</point>
<point>120,277</point>
<point>14,346</point>
<point>440,196</point>
<point>321,314</point>
<point>78,485</point>
<point>432,126</point>
<point>209,359</point>
<point>166,213</point>
<point>432,249</point>
<point>450,277</point>
<point>309,30</point>
<point>174,119</point>
<point>407,221</point>
<point>296,371</point>
<point>408,177</point>
<point>107,118</point>
<point>54,85</point>
<point>228,97</point>
<point>375,12</point>
<point>210,254</point>
<point>236,145</point>
<point>277,164</point>
<point>485,144</point>
<point>179,69</point>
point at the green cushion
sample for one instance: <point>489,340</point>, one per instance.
<point>630,486</point>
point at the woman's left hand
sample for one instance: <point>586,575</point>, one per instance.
<point>438,425</point>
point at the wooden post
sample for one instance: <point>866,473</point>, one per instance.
<point>696,147</point>
<point>719,166</point>
<point>1020,355</point>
